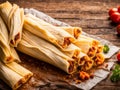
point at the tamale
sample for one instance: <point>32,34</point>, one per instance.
<point>5,53</point>
<point>87,65</point>
<point>20,70</point>
<point>10,77</point>
<point>47,56</point>
<point>13,16</point>
<point>5,9</point>
<point>15,32</point>
<point>57,36</point>
<point>71,51</point>
<point>87,46</point>
<point>74,31</point>
<point>47,53</point>
<point>94,42</point>
<point>83,58</point>
<point>98,59</point>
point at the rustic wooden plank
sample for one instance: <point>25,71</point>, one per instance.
<point>81,15</point>
<point>88,23</point>
<point>107,88</point>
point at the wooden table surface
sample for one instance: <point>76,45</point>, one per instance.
<point>91,15</point>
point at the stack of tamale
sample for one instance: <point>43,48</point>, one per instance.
<point>63,47</point>
<point>10,71</point>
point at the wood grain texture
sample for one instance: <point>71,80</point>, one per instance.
<point>91,15</point>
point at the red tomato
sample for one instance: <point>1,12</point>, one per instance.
<point>113,10</point>
<point>119,9</point>
<point>118,56</point>
<point>118,29</point>
<point>115,17</point>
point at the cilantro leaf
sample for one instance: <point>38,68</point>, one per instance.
<point>115,74</point>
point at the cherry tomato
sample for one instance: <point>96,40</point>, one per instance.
<point>113,10</point>
<point>118,56</point>
<point>119,9</point>
<point>118,29</point>
<point>115,17</point>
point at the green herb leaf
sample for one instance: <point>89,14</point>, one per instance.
<point>106,48</point>
<point>115,74</point>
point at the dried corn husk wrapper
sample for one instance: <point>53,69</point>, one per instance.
<point>7,74</point>
<point>45,51</point>
<point>13,16</point>
<point>20,70</point>
<point>5,52</point>
<point>87,45</point>
<point>8,54</point>
<point>14,74</point>
<point>74,31</point>
<point>57,36</point>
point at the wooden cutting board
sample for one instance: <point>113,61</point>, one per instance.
<point>92,16</point>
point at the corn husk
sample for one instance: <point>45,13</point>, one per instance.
<point>8,54</point>
<point>15,32</point>
<point>5,9</point>
<point>13,16</point>
<point>74,31</point>
<point>20,70</point>
<point>72,51</point>
<point>15,55</point>
<point>94,42</point>
<point>51,33</point>
<point>46,52</point>
<point>87,45</point>
<point>46,56</point>
<point>10,77</point>
<point>5,53</point>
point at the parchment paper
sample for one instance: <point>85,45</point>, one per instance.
<point>101,73</point>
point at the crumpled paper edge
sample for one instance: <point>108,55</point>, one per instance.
<point>101,73</point>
